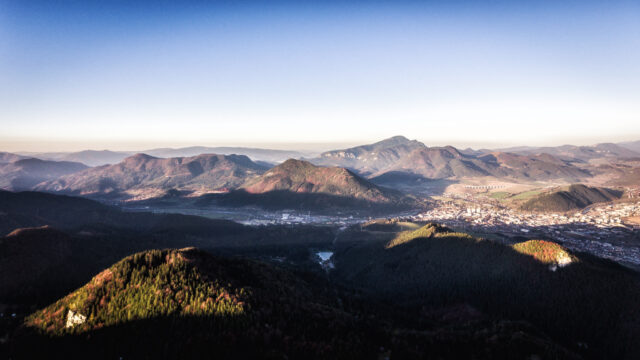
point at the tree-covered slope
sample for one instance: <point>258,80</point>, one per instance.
<point>165,304</point>
<point>563,294</point>
<point>35,209</point>
<point>569,198</point>
<point>187,303</point>
<point>546,252</point>
<point>35,262</point>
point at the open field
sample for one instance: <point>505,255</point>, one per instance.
<point>500,195</point>
<point>526,195</point>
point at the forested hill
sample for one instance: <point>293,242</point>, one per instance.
<point>540,282</point>
<point>167,304</point>
<point>571,197</point>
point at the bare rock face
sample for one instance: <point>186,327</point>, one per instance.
<point>74,319</point>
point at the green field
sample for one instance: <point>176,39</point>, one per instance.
<point>526,195</point>
<point>500,195</point>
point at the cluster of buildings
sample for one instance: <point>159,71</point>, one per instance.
<point>291,217</point>
<point>602,217</point>
<point>602,230</point>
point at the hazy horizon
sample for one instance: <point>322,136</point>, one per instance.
<point>311,147</point>
<point>130,76</point>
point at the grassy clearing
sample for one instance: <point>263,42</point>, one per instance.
<point>500,195</point>
<point>526,195</point>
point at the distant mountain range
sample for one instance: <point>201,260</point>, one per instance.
<point>255,154</point>
<point>292,184</point>
<point>6,157</point>
<point>24,174</point>
<point>108,157</point>
<point>581,153</point>
<point>369,159</point>
<point>399,154</point>
<point>632,145</point>
<point>391,162</point>
<point>143,176</point>
<point>87,157</point>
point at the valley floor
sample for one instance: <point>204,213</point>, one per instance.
<point>605,230</point>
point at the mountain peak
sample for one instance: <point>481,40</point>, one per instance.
<point>137,160</point>
<point>139,157</point>
<point>294,164</point>
<point>396,141</point>
<point>371,158</point>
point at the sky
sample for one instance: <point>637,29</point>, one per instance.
<point>127,75</point>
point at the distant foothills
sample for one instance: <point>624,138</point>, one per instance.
<point>367,176</point>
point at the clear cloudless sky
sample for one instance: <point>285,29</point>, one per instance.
<point>135,74</point>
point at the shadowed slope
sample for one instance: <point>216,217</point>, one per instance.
<point>34,262</point>
<point>187,303</point>
<point>435,265</point>
<point>33,209</point>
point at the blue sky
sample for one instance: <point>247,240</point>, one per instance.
<point>132,75</point>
